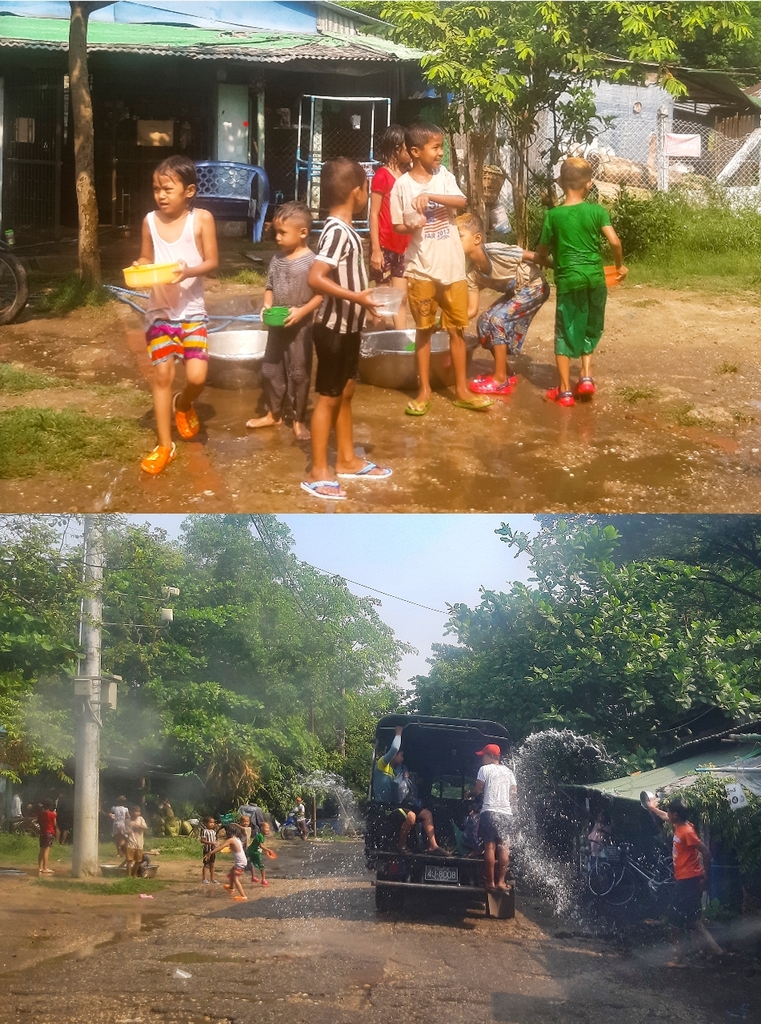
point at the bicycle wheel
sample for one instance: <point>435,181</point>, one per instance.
<point>601,877</point>
<point>623,890</point>
<point>14,290</point>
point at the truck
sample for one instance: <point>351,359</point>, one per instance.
<point>442,754</point>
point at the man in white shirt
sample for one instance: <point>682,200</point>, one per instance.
<point>497,784</point>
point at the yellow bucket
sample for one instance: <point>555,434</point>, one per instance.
<point>146,275</point>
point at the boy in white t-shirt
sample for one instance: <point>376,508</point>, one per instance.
<point>424,203</point>
<point>497,784</point>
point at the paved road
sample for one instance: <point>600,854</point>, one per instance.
<point>311,949</point>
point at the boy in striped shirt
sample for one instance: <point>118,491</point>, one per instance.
<point>338,274</point>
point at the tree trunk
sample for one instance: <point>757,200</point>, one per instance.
<point>84,144</point>
<point>519,183</point>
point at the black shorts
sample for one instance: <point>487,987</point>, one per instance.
<point>337,360</point>
<point>208,860</point>
<point>46,840</point>
<point>494,827</point>
<point>685,906</point>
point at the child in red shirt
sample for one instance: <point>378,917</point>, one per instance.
<point>387,247</point>
<point>46,819</point>
<point>692,868</point>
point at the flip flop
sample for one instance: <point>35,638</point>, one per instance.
<point>473,404</point>
<point>417,408</point>
<point>311,488</point>
<point>366,473</point>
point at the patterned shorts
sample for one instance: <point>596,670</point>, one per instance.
<point>494,827</point>
<point>506,321</point>
<point>185,339</point>
<point>393,266</point>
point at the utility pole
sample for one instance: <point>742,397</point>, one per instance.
<point>87,690</point>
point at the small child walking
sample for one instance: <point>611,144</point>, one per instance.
<point>387,247</point>
<point>424,202</point>
<point>137,826</point>
<point>287,367</point>
<point>338,275</point>
<point>46,819</point>
<point>571,235</point>
<point>235,843</point>
<point>176,312</point>
<point>502,327</point>
<point>255,850</point>
<point>208,839</point>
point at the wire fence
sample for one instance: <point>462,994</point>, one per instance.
<point>654,152</point>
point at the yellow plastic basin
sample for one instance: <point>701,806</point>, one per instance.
<point>148,274</point>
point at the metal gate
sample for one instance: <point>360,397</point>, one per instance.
<point>32,152</point>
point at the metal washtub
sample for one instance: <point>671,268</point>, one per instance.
<point>236,357</point>
<point>387,359</point>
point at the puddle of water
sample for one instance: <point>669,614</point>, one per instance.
<point>12,873</point>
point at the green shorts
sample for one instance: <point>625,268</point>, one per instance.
<point>580,320</point>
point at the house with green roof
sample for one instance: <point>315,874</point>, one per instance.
<point>226,80</point>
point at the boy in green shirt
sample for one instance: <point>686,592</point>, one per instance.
<point>571,235</point>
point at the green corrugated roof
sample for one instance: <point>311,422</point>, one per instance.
<point>630,787</point>
<point>53,33</point>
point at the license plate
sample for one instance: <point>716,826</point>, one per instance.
<point>434,873</point>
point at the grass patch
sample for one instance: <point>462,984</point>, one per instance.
<point>632,395</point>
<point>72,293</point>
<point>726,367</point>
<point>685,416</point>
<point>15,380</point>
<point>120,887</point>
<point>35,440</point>
<point>21,851</point>
<point>176,847</point>
<point>257,278</point>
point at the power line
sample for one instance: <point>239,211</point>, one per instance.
<point>356,583</point>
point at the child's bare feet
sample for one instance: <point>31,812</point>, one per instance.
<point>263,421</point>
<point>301,431</point>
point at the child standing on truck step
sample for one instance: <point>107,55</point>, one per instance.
<point>287,366</point>
<point>176,313</point>
<point>571,234</point>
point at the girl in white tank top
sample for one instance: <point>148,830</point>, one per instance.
<point>183,301</point>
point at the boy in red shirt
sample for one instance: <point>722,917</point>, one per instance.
<point>46,819</point>
<point>692,866</point>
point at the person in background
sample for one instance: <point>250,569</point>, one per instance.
<point>601,834</point>
<point>137,827</point>
<point>496,782</point>
<point>300,817</point>
<point>253,812</point>
<point>46,819</point>
<point>208,839</point>
<point>119,815</point>
<point>17,809</point>
<point>387,247</point>
<point>692,871</point>
<point>64,810</point>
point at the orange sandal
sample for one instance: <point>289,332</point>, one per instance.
<point>157,460</point>
<point>186,422</point>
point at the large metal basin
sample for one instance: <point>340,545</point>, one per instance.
<point>387,359</point>
<point>236,357</point>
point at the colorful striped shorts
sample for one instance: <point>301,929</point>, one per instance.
<point>185,339</point>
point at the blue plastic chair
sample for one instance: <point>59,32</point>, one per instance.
<point>227,190</point>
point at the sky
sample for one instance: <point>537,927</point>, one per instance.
<point>433,560</point>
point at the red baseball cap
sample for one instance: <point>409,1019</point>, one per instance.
<point>491,749</point>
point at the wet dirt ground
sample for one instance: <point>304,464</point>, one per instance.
<point>311,948</point>
<point>676,425</point>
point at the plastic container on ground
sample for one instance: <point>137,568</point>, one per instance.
<point>387,359</point>
<point>275,316</point>
<point>387,300</point>
<point>146,275</point>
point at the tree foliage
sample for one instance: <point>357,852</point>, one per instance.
<point>511,62</point>
<point>269,669</point>
<point>627,651</point>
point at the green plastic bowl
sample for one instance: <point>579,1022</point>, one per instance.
<point>275,316</point>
